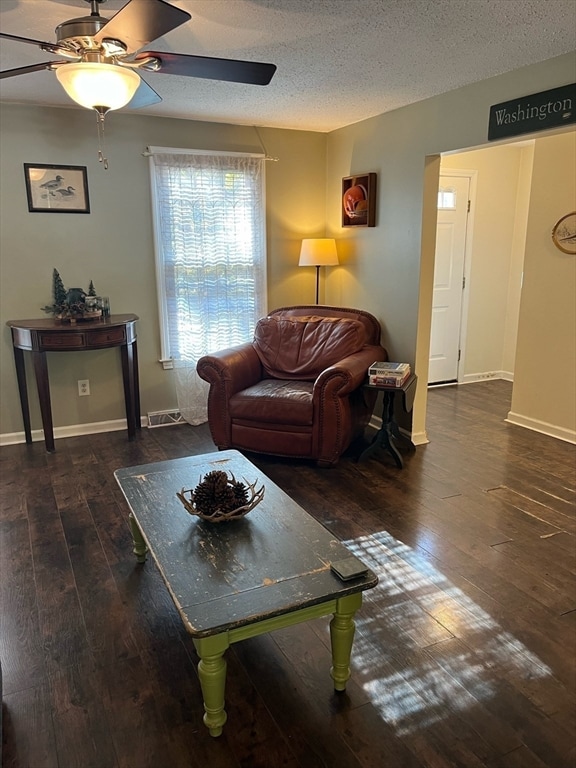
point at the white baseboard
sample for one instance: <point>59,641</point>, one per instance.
<point>375,422</point>
<point>72,430</point>
<point>418,438</point>
<point>568,435</point>
<point>470,378</point>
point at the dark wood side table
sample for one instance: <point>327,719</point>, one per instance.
<point>389,431</point>
<point>51,335</point>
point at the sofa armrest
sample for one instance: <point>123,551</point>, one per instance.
<point>227,372</point>
<point>234,368</point>
<point>333,397</point>
<point>350,372</point>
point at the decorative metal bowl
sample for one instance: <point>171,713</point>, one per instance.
<point>219,498</point>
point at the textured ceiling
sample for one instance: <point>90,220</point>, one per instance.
<point>339,61</point>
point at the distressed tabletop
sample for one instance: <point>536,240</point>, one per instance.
<point>227,575</point>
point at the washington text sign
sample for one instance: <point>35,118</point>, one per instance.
<point>548,109</point>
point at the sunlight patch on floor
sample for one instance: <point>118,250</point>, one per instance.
<point>423,609</point>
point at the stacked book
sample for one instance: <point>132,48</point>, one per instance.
<point>388,374</point>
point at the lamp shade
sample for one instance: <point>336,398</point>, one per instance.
<point>318,252</point>
<point>94,85</point>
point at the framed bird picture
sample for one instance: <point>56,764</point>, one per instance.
<point>56,188</point>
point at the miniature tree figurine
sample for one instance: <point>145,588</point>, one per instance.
<point>58,295</point>
<point>58,290</point>
<point>91,289</point>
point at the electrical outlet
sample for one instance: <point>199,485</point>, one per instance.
<point>83,387</point>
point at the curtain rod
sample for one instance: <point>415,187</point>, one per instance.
<point>150,151</point>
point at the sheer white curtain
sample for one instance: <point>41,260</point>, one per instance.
<point>209,222</point>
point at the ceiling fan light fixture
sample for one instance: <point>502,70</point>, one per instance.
<point>98,86</point>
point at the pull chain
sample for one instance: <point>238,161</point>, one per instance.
<point>100,121</point>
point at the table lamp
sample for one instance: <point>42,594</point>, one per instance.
<point>318,252</point>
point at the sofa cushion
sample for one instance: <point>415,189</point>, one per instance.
<point>302,347</point>
<point>274,401</point>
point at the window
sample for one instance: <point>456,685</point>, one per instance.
<point>447,199</point>
<point>209,226</point>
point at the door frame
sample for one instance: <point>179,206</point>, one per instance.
<point>472,175</point>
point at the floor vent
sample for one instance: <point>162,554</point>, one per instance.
<point>165,418</point>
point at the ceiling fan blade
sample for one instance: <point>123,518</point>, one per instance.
<point>141,21</point>
<point>145,96</point>
<point>231,70</point>
<point>56,48</point>
<point>31,68</point>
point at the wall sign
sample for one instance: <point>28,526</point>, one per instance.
<point>548,109</point>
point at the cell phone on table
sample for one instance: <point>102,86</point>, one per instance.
<point>349,568</point>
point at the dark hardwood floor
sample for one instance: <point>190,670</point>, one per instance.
<point>464,653</point>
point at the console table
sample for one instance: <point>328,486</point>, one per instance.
<point>389,430</point>
<point>51,335</point>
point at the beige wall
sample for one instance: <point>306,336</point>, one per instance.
<point>517,257</point>
<point>545,384</point>
<point>113,244</point>
<point>496,255</point>
<point>388,269</point>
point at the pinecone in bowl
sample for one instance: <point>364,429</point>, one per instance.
<point>218,498</point>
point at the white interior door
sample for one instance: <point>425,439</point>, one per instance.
<point>453,197</point>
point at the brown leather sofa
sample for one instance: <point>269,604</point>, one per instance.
<point>296,389</point>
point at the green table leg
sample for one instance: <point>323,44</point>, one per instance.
<point>212,674</point>
<point>140,548</point>
<point>342,629</point>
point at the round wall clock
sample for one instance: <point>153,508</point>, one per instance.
<point>564,233</point>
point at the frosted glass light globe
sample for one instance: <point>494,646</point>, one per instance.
<point>94,85</point>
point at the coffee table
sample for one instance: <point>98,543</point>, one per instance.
<point>238,579</point>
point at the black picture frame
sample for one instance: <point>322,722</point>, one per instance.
<point>52,188</point>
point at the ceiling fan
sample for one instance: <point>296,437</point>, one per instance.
<point>102,57</point>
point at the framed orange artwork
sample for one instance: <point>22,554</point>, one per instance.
<point>359,200</point>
